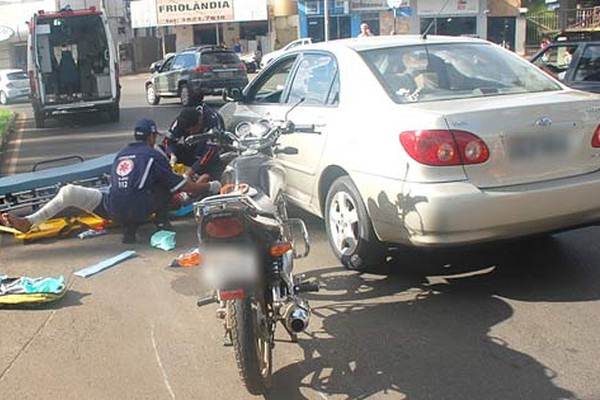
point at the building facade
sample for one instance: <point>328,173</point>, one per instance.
<point>237,24</point>
<point>501,21</point>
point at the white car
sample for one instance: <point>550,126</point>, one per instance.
<point>434,142</point>
<point>14,85</point>
<point>267,58</point>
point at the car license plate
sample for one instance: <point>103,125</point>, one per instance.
<point>226,75</point>
<point>527,147</point>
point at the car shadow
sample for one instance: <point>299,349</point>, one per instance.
<point>422,339</point>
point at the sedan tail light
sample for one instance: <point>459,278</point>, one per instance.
<point>242,66</point>
<point>596,137</point>
<point>440,147</point>
<point>203,68</point>
<point>224,228</point>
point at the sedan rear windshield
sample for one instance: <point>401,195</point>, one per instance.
<point>15,76</point>
<point>454,71</point>
<point>219,57</point>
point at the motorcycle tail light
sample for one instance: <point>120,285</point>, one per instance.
<point>224,228</point>
<point>440,147</point>
<point>596,137</point>
<point>279,249</point>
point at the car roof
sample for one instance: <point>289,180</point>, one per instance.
<point>376,42</point>
<point>10,71</point>
<point>208,47</point>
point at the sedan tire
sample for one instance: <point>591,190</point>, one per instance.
<point>3,98</point>
<point>151,95</point>
<point>349,229</point>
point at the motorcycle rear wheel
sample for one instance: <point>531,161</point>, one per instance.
<point>252,339</point>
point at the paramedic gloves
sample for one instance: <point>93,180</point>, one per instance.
<point>214,187</point>
<point>173,160</point>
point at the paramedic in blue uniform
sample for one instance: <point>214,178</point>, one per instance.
<point>202,158</point>
<point>142,184</point>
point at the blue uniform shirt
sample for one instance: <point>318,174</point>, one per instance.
<point>141,181</point>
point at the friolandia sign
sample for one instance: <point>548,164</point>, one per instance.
<point>179,12</point>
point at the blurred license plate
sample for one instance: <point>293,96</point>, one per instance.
<point>230,266</point>
<point>226,74</point>
<point>534,147</point>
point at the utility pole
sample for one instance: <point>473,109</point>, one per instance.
<point>326,19</point>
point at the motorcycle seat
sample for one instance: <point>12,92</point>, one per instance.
<point>263,203</point>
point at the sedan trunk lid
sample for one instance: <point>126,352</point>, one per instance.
<point>531,138</point>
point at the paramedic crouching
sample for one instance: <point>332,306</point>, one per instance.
<point>141,184</point>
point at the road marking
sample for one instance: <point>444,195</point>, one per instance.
<point>17,149</point>
<point>26,346</point>
<point>165,378</point>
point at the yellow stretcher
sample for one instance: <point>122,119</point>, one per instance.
<point>60,227</point>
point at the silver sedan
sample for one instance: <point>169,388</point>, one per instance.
<point>429,142</point>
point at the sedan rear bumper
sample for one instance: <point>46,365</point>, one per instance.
<point>458,213</point>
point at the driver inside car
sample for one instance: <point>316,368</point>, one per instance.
<point>416,75</point>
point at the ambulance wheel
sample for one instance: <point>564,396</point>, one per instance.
<point>39,119</point>
<point>114,114</point>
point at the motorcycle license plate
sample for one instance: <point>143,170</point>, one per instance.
<point>230,267</point>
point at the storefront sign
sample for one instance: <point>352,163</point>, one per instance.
<point>179,12</point>
<point>398,3</point>
<point>369,5</point>
<point>454,7</point>
<point>6,33</point>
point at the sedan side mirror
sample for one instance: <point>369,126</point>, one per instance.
<point>233,94</point>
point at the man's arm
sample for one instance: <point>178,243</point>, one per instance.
<point>176,183</point>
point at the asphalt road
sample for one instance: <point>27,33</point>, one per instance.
<point>511,321</point>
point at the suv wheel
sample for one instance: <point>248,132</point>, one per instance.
<point>185,95</point>
<point>151,95</point>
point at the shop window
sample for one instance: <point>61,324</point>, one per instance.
<point>450,26</point>
<point>313,6</point>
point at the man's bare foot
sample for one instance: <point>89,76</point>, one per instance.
<point>20,224</point>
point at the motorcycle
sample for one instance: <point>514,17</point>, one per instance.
<point>249,245</point>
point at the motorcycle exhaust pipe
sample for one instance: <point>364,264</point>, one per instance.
<point>296,315</point>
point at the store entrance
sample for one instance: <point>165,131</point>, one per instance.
<point>339,28</point>
<point>207,34</point>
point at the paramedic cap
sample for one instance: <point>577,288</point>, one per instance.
<point>143,128</point>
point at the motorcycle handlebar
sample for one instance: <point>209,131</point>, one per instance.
<point>307,128</point>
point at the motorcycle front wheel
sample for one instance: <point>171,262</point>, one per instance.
<point>252,338</point>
